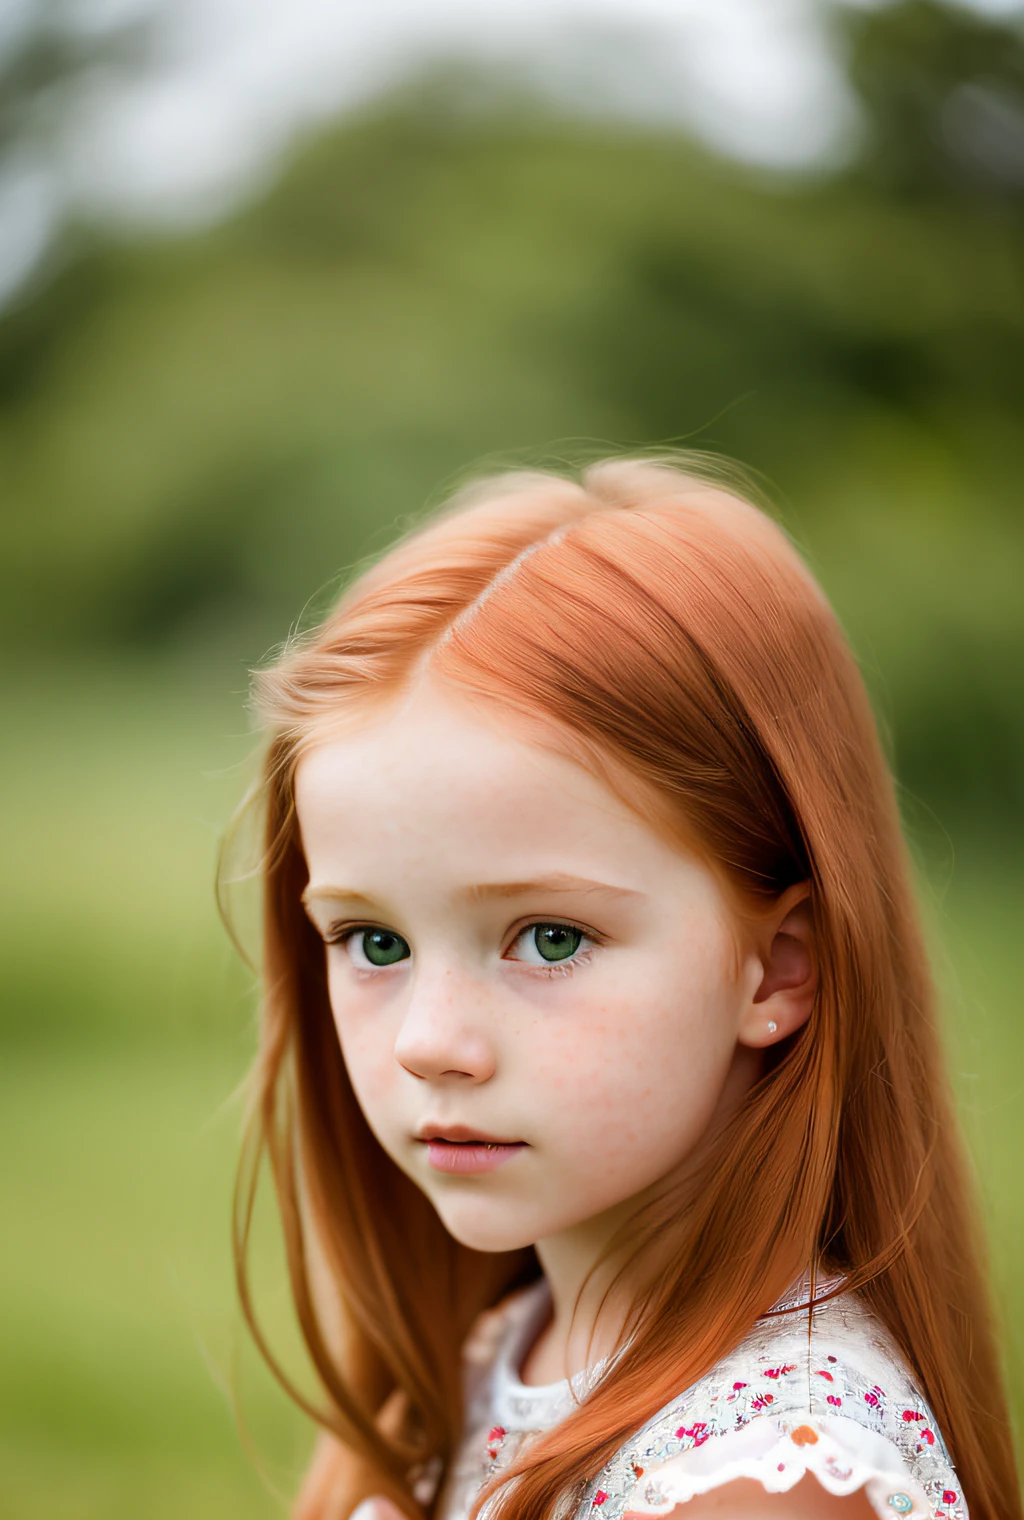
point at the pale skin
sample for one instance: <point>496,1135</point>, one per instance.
<point>449,859</point>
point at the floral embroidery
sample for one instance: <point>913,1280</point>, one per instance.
<point>823,1389</point>
<point>728,1399</point>
<point>698,1434</point>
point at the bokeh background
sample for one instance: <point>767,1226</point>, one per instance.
<point>273,279</point>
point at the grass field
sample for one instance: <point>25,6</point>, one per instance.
<point>126,1029</point>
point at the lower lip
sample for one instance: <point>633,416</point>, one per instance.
<point>467,1157</point>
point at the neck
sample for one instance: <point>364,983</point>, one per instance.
<point>580,1331</point>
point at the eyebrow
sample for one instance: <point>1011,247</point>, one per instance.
<point>559,881</point>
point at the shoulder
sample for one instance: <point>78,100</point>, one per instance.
<point>826,1396</point>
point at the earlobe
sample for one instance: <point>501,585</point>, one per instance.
<point>787,953</point>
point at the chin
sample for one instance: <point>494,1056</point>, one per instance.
<point>484,1230</point>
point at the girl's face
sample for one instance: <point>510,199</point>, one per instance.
<point>514,955</point>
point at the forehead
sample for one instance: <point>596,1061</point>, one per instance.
<point>440,776</point>
<point>437,747</point>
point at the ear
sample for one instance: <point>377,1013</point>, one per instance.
<point>786,948</point>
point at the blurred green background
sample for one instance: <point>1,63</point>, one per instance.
<point>200,433</point>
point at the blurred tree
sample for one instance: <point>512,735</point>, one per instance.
<point>50,51</point>
<point>943,90</point>
<point>53,54</point>
<point>196,436</point>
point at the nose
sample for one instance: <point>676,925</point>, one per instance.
<point>444,1034</point>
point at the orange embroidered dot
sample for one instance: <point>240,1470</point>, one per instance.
<point>804,1435</point>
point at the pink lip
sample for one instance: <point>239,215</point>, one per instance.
<point>462,1149</point>
<point>467,1156</point>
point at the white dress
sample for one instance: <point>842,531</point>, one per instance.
<point>834,1399</point>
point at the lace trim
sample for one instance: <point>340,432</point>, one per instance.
<point>778,1457</point>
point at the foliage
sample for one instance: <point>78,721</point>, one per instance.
<point>196,436</point>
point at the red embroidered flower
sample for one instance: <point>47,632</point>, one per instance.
<point>737,1386</point>
<point>912,1414</point>
<point>698,1433</point>
<point>777,1372</point>
<point>948,1496</point>
<point>872,1399</point>
<point>497,1434</point>
<point>833,1400</point>
<point>826,1375</point>
<point>600,1497</point>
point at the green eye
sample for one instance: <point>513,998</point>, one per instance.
<point>557,942</point>
<point>381,947</point>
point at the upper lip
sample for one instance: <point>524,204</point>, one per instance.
<point>461,1132</point>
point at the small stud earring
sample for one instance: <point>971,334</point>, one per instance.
<point>772,1026</point>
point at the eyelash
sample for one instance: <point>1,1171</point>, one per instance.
<point>337,935</point>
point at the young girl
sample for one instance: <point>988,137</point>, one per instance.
<point>599,1068</point>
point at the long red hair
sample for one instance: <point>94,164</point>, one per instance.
<point>659,628</point>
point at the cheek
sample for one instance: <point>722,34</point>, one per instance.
<point>367,1048</point>
<point>630,1081</point>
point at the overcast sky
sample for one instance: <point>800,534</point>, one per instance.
<point>231,81</point>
